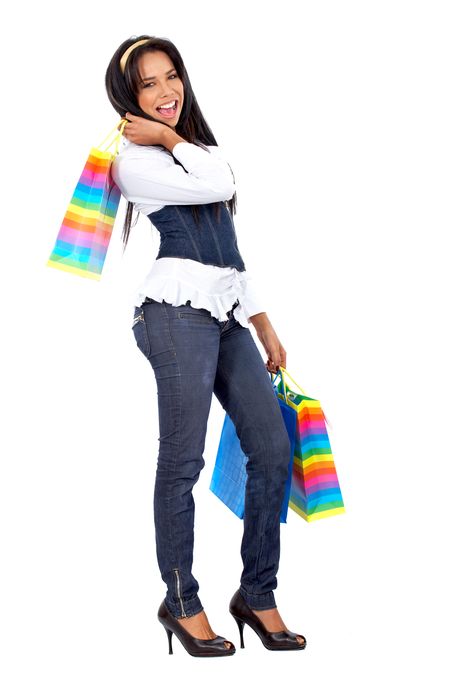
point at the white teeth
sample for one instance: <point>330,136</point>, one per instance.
<point>168,106</point>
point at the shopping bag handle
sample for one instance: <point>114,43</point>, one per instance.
<point>282,371</point>
<point>116,137</point>
<point>283,386</point>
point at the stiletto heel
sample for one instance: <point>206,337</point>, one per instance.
<point>198,647</point>
<point>240,623</point>
<point>272,640</point>
<point>169,636</point>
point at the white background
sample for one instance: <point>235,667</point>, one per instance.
<point>335,119</point>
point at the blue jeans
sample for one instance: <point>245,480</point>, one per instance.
<point>194,355</point>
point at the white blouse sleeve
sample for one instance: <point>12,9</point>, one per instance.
<point>251,303</point>
<point>155,178</point>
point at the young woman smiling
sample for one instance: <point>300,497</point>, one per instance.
<point>191,321</point>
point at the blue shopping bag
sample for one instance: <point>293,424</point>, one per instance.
<point>229,475</point>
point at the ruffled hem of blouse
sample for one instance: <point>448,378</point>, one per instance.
<point>177,292</point>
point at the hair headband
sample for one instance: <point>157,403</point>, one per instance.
<point>128,51</point>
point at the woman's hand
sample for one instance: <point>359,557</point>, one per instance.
<point>142,131</point>
<point>266,333</point>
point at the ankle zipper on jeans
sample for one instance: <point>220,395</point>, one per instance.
<point>177,574</point>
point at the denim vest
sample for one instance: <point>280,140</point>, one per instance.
<point>210,242</point>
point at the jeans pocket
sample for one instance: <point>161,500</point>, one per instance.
<point>197,317</point>
<point>194,314</point>
<point>140,332</point>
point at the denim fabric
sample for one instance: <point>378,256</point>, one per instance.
<point>194,355</point>
<point>210,242</point>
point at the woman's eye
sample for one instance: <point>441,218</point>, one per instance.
<point>174,76</point>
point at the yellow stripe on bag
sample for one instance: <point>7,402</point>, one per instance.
<point>74,211</point>
<point>101,154</point>
<point>315,459</point>
<point>73,270</point>
<point>317,515</point>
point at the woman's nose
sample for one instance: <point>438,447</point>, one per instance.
<point>165,95</point>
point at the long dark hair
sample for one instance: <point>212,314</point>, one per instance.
<point>192,126</point>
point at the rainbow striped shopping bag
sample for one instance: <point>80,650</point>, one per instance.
<point>312,488</point>
<point>85,233</point>
<point>315,492</point>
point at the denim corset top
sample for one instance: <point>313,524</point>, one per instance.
<point>212,241</point>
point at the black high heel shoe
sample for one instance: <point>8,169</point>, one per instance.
<point>275,640</point>
<point>198,647</point>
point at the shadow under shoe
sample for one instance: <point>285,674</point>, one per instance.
<point>198,647</point>
<point>272,640</point>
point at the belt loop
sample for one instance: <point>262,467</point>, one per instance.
<point>230,312</point>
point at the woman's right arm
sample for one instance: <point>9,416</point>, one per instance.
<point>145,173</point>
<point>169,138</point>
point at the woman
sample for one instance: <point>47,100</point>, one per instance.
<point>191,321</point>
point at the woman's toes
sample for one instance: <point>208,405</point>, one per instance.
<point>300,640</point>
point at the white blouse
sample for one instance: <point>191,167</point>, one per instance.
<point>149,177</point>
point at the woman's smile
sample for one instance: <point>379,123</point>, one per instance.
<point>168,110</point>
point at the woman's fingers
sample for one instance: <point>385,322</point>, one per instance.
<point>271,366</point>
<point>276,359</point>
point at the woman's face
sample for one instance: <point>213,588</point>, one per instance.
<point>160,85</point>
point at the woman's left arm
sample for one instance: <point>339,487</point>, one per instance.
<point>266,333</point>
